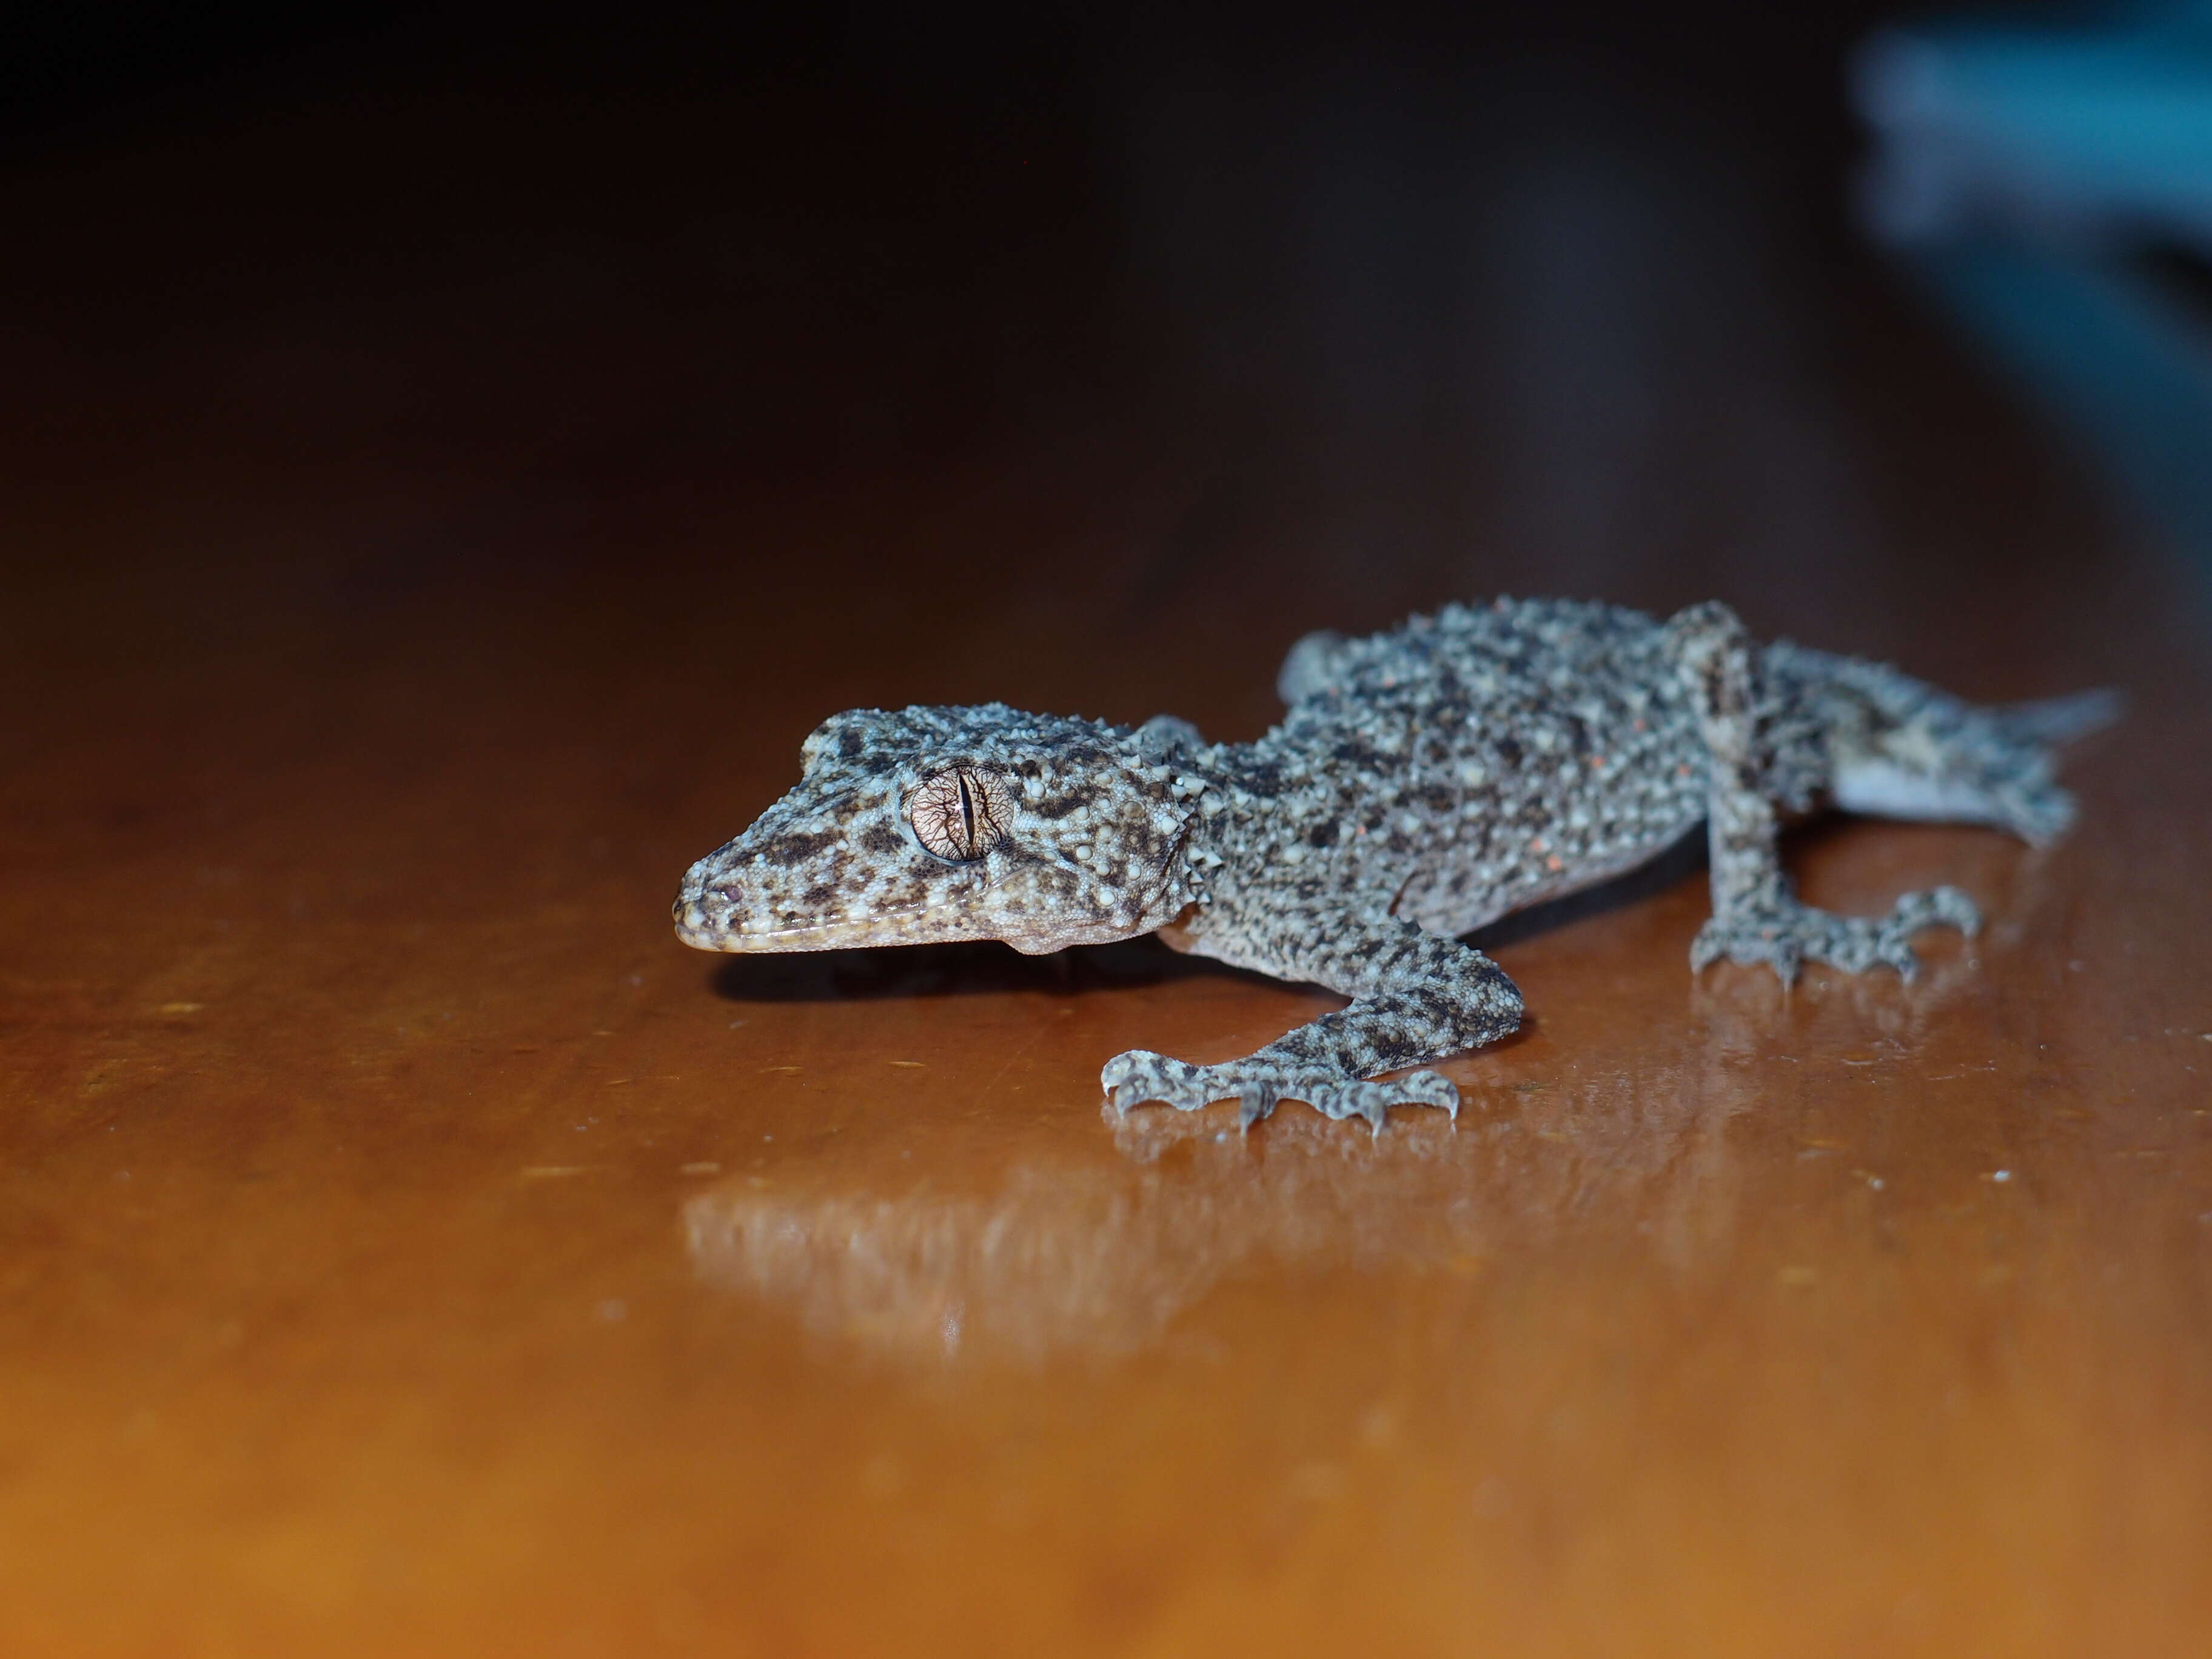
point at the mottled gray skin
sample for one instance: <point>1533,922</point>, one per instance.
<point>1422,783</point>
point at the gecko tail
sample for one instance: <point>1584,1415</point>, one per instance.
<point>2056,721</point>
<point>1900,747</point>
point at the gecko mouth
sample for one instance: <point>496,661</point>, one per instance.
<point>882,927</point>
<point>717,918</point>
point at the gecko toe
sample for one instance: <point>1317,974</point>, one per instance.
<point>1949,905</point>
<point>1897,954</point>
<point>1139,1075</point>
<point>1431,1088</point>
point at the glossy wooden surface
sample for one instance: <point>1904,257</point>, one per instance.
<point>405,1246</point>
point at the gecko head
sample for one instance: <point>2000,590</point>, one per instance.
<point>935,824</point>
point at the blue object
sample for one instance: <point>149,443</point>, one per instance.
<point>2023,172</point>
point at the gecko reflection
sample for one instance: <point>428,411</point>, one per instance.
<point>1101,1258</point>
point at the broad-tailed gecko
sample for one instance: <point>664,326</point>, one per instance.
<point>1422,783</point>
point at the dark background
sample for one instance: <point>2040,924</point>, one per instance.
<point>1286,317</point>
<point>72,69</point>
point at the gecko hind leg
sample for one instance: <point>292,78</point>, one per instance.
<point>1756,918</point>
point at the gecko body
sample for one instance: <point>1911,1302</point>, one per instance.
<point>1422,782</point>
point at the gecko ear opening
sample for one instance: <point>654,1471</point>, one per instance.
<point>961,813</point>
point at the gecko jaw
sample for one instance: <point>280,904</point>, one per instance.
<point>695,928</point>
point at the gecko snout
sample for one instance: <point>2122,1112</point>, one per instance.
<point>705,908</point>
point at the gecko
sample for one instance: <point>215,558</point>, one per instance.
<point>1422,783</point>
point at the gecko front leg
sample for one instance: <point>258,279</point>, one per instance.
<point>1416,997</point>
<point>1756,918</point>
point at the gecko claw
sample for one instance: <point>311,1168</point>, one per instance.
<point>1255,1103</point>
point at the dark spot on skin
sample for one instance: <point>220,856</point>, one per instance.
<point>1509,752</point>
<point>1352,752</point>
<point>814,898</point>
<point>1323,834</point>
<point>1059,806</point>
<point>1263,779</point>
<point>880,838</point>
<point>797,847</point>
<point>1391,1054</point>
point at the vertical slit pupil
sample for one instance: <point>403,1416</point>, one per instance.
<point>967,814</point>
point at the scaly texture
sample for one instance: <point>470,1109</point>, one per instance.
<point>1423,782</point>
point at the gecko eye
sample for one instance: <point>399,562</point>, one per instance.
<point>962,813</point>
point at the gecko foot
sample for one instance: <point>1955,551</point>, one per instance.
<point>1785,934</point>
<point>1142,1075</point>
